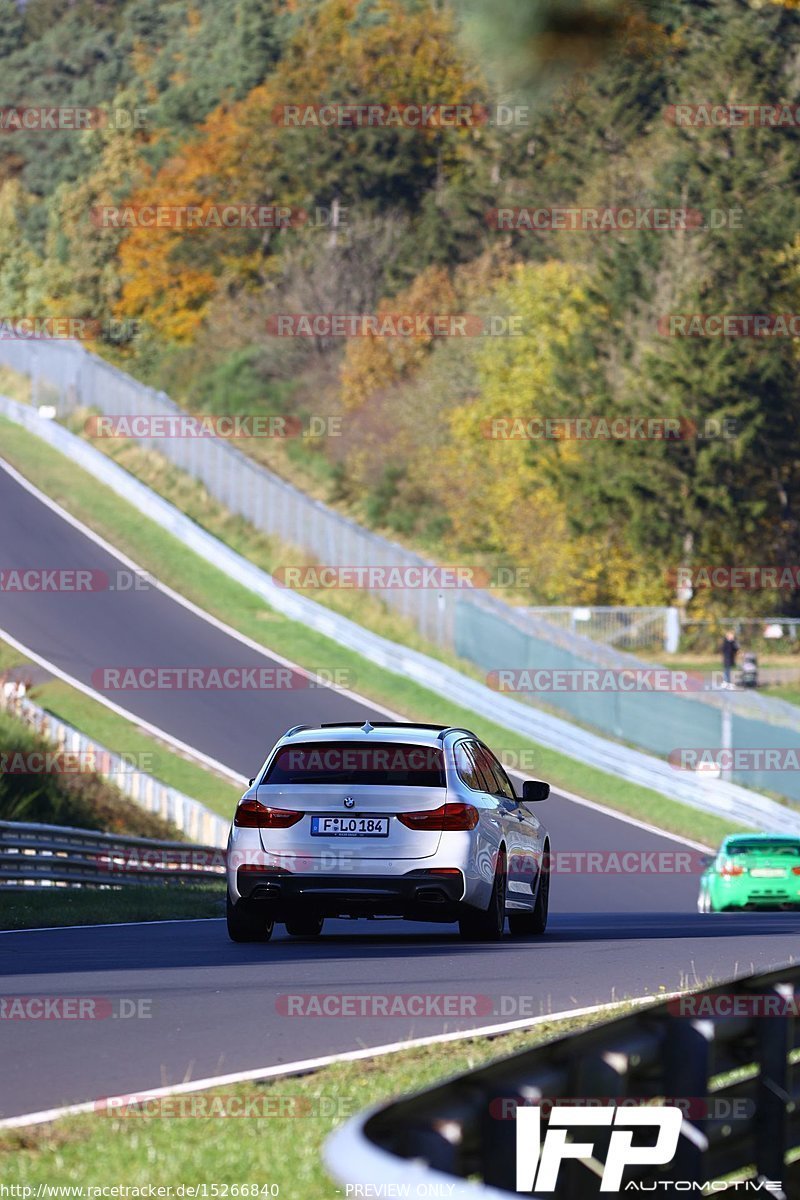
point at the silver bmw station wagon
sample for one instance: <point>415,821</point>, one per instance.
<point>386,820</point>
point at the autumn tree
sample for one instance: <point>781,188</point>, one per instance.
<point>384,52</point>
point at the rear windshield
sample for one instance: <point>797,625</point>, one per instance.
<point>744,847</point>
<point>388,764</point>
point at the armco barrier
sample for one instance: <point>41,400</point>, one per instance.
<point>476,624</point>
<point>187,814</point>
<point>717,796</point>
<point>735,1077</point>
<point>60,856</point>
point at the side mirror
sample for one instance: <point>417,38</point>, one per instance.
<point>533,790</point>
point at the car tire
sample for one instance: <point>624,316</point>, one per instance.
<point>488,926</point>
<point>306,927</point>
<point>533,923</point>
<point>247,922</point>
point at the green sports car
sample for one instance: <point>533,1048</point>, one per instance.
<point>752,870</point>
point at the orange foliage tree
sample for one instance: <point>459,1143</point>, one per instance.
<point>386,53</point>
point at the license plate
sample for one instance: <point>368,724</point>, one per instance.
<point>349,826</point>
<point>768,873</point>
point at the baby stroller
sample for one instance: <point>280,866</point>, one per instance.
<point>748,676</point>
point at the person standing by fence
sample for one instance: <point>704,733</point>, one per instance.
<point>729,648</point>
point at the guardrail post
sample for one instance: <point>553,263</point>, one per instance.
<point>672,632</point>
<point>688,1055</point>
<point>771,1123</point>
<point>498,1130</point>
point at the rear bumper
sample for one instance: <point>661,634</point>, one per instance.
<point>417,895</point>
<point>764,898</point>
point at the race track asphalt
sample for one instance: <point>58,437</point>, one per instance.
<point>211,1007</point>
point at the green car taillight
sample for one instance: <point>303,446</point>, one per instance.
<point>730,868</point>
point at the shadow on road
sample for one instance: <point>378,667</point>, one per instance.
<point>205,943</point>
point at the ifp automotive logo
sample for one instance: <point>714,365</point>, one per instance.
<point>538,1161</point>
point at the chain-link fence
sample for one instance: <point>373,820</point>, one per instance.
<point>627,628</point>
<point>587,681</point>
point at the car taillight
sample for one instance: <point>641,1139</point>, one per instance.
<point>796,870</point>
<point>730,868</point>
<point>252,814</point>
<point>448,818</point>
<point>262,869</point>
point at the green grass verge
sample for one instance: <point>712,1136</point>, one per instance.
<point>284,1149</point>
<point>712,662</point>
<point>124,737</point>
<point>165,557</point>
<point>79,906</point>
<point>708,665</point>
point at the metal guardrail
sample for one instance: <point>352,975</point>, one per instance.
<point>458,1139</point>
<point>718,796</point>
<point>34,855</point>
<point>149,793</point>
